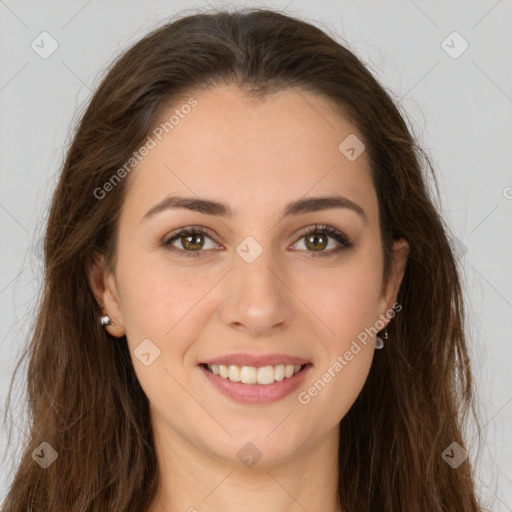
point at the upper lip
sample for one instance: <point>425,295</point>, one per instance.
<point>256,360</point>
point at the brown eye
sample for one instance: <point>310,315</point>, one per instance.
<point>316,241</point>
<point>191,239</point>
<point>192,242</point>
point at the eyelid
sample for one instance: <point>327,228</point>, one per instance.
<point>185,230</point>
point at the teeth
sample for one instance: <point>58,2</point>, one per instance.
<point>252,375</point>
<point>265,375</point>
<point>234,373</point>
<point>248,375</point>
<point>279,372</point>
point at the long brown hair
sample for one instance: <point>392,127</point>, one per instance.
<point>84,399</point>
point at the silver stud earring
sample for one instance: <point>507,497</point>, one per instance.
<point>379,342</point>
<point>106,320</point>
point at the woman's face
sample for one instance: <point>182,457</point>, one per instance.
<point>255,292</point>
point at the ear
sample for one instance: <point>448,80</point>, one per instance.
<point>103,286</point>
<point>390,288</point>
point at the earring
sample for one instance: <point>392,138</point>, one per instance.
<point>379,343</point>
<point>105,320</point>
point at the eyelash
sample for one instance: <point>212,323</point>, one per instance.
<point>345,242</point>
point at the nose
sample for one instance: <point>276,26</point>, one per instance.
<point>257,300</point>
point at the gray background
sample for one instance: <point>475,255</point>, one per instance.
<point>459,108</point>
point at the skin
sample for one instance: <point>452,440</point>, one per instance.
<point>256,156</point>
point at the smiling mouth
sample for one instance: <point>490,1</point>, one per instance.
<point>263,375</point>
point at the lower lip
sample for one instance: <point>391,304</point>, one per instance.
<point>257,393</point>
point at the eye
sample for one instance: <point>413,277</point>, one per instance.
<point>316,239</point>
<point>191,240</point>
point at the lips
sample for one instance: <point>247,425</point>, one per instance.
<point>250,392</point>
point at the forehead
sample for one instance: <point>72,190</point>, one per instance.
<point>249,151</point>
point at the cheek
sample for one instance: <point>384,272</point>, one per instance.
<point>156,295</point>
<point>345,299</point>
<point>340,384</point>
<point>340,376</point>
<point>158,304</point>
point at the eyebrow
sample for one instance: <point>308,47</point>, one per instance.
<point>211,207</point>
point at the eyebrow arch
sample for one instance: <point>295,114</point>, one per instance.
<point>211,207</point>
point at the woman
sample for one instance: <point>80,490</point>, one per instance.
<point>241,220</point>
